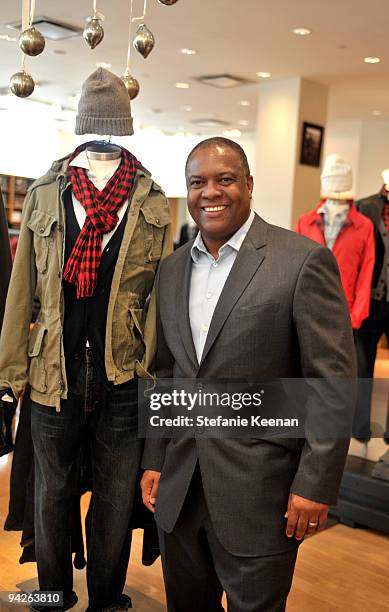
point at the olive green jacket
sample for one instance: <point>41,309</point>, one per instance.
<point>37,356</point>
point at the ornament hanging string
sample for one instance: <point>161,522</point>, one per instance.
<point>32,12</point>
<point>96,12</point>
<point>129,40</point>
<point>28,11</point>
<point>144,13</point>
<point>132,20</point>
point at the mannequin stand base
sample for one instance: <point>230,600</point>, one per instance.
<point>381,469</point>
<point>140,602</point>
<point>363,500</point>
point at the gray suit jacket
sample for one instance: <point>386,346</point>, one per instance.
<point>282,313</point>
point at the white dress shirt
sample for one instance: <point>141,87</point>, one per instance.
<point>208,277</point>
<point>82,161</point>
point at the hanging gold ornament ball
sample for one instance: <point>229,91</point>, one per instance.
<point>144,40</point>
<point>131,84</point>
<point>168,2</point>
<point>93,33</point>
<point>31,41</point>
<point>22,84</point>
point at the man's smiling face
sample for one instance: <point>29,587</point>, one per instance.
<point>219,192</point>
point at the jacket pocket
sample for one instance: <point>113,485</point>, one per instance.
<point>37,372</point>
<point>41,225</point>
<point>127,338</point>
<point>257,309</point>
<point>155,217</point>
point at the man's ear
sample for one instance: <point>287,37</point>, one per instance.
<point>250,184</point>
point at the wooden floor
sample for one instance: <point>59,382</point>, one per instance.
<point>341,569</point>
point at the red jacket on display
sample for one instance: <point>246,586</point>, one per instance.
<point>354,250</point>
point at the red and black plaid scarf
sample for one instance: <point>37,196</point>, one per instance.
<point>101,209</point>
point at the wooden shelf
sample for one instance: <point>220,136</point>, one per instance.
<point>14,189</point>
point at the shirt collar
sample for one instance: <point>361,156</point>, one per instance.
<point>235,242</point>
<point>342,207</point>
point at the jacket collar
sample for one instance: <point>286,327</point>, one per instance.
<point>353,216</point>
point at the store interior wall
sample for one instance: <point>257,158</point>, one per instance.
<point>312,109</point>
<point>276,144</point>
<point>365,145</point>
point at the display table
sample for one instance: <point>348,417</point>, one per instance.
<point>363,500</point>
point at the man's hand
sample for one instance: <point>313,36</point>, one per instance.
<point>305,517</point>
<point>149,485</point>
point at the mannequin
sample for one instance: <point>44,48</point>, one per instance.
<point>376,208</point>
<point>336,223</point>
<point>94,269</point>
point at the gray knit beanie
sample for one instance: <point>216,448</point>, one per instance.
<point>104,106</point>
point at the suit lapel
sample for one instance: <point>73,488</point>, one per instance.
<point>184,267</point>
<point>247,262</point>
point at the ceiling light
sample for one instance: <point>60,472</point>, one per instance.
<point>377,113</point>
<point>182,85</point>
<point>264,75</point>
<point>7,38</point>
<point>372,60</point>
<point>186,51</point>
<point>58,52</point>
<point>243,122</point>
<point>210,123</point>
<point>244,103</point>
<point>302,31</point>
<point>223,81</point>
<point>103,65</point>
<point>232,133</point>
<point>186,109</point>
<point>50,28</point>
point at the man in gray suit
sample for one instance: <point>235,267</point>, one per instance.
<point>245,299</point>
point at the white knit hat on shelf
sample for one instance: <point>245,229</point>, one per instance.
<point>336,178</point>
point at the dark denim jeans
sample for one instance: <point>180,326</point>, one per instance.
<point>111,430</point>
<point>367,338</point>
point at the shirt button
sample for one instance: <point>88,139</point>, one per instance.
<point>41,230</point>
<point>204,328</point>
<point>214,264</point>
<point>208,295</point>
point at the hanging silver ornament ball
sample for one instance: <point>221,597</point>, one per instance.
<point>93,33</point>
<point>168,2</point>
<point>22,84</point>
<point>31,42</point>
<point>131,84</point>
<point>144,40</point>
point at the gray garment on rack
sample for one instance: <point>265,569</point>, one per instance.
<point>382,289</point>
<point>5,259</point>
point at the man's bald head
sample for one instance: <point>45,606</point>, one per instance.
<point>219,141</point>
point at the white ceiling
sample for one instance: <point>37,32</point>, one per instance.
<point>238,37</point>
